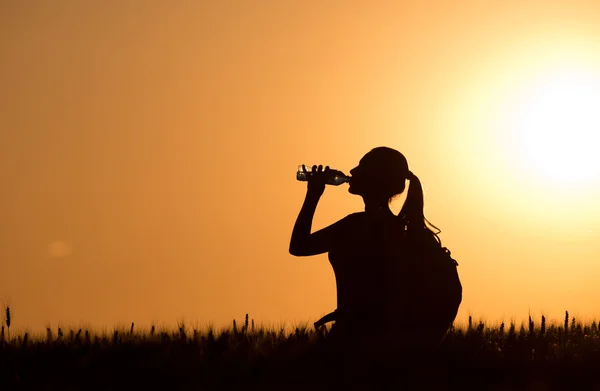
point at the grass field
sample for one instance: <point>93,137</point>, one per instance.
<point>534,356</point>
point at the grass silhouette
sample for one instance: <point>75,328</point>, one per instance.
<point>533,356</point>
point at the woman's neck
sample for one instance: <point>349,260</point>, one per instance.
<point>375,207</point>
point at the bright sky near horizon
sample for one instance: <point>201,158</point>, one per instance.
<point>148,151</point>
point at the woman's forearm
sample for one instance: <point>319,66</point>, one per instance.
<point>303,225</point>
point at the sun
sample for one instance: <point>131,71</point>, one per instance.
<point>557,126</point>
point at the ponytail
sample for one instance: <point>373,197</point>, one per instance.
<point>412,214</point>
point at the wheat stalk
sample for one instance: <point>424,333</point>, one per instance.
<point>8,321</point>
<point>182,333</point>
<point>531,327</point>
<point>543,329</point>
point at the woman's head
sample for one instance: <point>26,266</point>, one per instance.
<point>380,174</point>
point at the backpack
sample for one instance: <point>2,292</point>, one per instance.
<point>433,288</point>
<point>423,289</point>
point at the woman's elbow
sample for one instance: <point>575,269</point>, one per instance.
<point>297,251</point>
<point>294,251</point>
<point>305,250</point>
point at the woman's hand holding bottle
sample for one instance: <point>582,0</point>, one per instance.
<point>317,178</point>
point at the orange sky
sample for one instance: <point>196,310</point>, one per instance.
<point>148,151</point>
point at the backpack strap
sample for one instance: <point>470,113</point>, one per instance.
<point>351,317</point>
<point>449,254</point>
<point>330,317</point>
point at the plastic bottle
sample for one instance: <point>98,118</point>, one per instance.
<point>335,177</point>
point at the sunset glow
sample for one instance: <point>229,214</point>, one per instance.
<point>558,122</point>
<point>148,151</point>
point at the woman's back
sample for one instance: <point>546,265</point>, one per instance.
<point>383,278</point>
<point>369,263</point>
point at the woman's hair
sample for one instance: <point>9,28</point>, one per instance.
<point>412,211</point>
<point>411,214</point>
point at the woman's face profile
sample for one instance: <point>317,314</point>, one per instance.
<point>361,177</point>
<point>375,175</point>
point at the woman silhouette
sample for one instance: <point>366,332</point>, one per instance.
<point>371,256</point>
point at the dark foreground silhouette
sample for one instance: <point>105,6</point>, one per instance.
<point>398,290</point>
<point>536,356</point>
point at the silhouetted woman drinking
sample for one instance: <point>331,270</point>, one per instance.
<point>382,304</point>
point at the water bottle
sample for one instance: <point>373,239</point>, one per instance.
<point>335,177</point>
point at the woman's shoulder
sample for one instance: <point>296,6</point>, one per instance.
<point>373,220</point>
<point>354,217</point>
<point>350,222</point>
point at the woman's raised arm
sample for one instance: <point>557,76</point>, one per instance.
<point>303,243</point>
